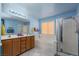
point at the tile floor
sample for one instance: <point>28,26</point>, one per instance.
<point>44,46</point>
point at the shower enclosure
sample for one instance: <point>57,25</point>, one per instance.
<point>67,35</point>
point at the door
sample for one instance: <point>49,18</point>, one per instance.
<point>70,37</point>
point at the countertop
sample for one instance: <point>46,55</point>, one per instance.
<point>13,36</point>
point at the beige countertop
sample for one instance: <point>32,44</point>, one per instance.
<point>13,36</point>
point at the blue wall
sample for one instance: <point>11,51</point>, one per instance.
<point>33,23</point>
<point>50,18</point>
<point>0,29</point>
<point>78,10</point>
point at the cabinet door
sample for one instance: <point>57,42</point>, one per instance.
<point>23,46</point>
<point>7,47</point>
<point>16,46</point>
<point>6,52</point>
<point>32,42</point>
<point>28,43</point>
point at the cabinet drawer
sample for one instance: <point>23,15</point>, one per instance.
<point>23,39</point>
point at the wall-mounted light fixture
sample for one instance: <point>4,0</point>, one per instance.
<point>15,12</point>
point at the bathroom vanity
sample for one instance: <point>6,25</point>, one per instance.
<point>17,45</point>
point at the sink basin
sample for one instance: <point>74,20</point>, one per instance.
<point>8,36</point>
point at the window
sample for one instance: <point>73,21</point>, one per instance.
<point>44,28</point>
<point>48,27</point>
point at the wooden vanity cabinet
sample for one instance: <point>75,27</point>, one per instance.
<point>7,47</point>
<point>16,46</point>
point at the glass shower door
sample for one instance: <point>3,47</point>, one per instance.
<point>70,37</point>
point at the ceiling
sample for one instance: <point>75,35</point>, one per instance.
<point>38,10</point>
